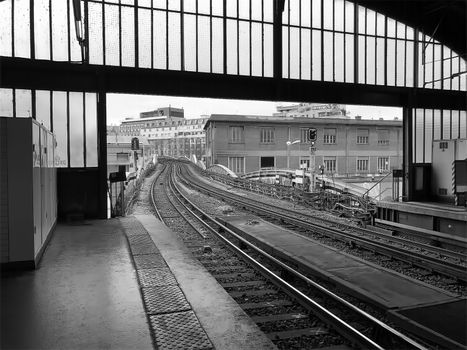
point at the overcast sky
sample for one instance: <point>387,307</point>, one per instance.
<point>120,106</point>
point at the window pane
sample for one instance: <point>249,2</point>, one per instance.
<point>329,54</point>
<point>75,48</point>
<point>43,108</point>
<point>256,54</point>
<point>306,59</point>
<point>112,46</point>
<point>160,36</point>
<point>91,130</point>
<point>59,30</point>
<point>174,42</point>
<point>217,45</point>
<point>23,103</point>
<point>41,29</point>
<point>204,55</point>
<point>232,47</point>
<point>5,29</point>
<point>6,102</point>
<point>144,38</point>
<point>76,129</point>
<point>128,37</point>
<point>95,33</point>
<point>21,30</point>
<point>60,127</point>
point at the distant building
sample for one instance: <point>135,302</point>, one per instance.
<point>311,110</point>
<point>121,157</point>
<point>164,112</point>
<point>168,132</point>
<point>346,147</point>
<point>178,138</point>
<point>151,119</point>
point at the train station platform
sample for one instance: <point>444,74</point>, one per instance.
<point>121,283</point>
<point>385,288</point>
<point>438,217</point>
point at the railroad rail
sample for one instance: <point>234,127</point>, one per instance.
<point>415,253</point>
<point>208,227</point>
<point>440,239</point>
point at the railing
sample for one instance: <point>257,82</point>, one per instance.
<point>339,202</point>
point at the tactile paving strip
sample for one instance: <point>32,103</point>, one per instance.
<point>140,240</point>
<point>149,261</point>
<point>164,299</point>
<point>132,227</point>
<point>138,249</point>
<point>156,277</point>
<point>179,330</point>
<point>174,325</point>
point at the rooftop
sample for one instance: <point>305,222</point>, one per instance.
<point>298,120</point>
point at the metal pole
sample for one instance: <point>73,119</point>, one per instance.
<point>312,167</point>
<point>122,200</point>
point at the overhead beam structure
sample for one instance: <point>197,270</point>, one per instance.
<point>49,75</point>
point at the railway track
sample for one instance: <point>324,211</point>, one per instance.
<point>454,245</point>
<point>293,310</point>
<point>434,259</point>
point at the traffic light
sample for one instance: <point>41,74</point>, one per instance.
<point>134,144</point>
<point>312,134</point>
<point>321,169</point>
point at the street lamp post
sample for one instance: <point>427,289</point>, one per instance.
<point>289,143</point>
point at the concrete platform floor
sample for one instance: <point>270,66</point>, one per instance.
<point>85,295</point>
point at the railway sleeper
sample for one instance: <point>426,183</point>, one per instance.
<point>278,317</point>
<point>252,292</point>
<point>296,333</point>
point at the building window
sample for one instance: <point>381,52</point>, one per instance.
<point>305,163</point>
<point>330,164</point>
<point>383,137</point>
<point>267,135</point>
<point>303,135</point>
<point>329,136</point>
<point>236,134</point>
<point>236,164</point>
<point>362,136</point>
<point>383,164</point>
<point>362,164</point>
<point>267,162</point>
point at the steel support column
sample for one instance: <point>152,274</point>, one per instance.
<point>407,160</point>
<point>102,153</point>
<point>277,37</point>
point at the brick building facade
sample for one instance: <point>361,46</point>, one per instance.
<point>346,147</point>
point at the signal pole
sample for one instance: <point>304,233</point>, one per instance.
<point>312,135</point>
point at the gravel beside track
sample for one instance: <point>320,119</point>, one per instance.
<point>248,288</point>
<point>216,207</point>
<point>230,270</point>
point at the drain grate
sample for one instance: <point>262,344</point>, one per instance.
<point>149,261</point>
<point>156,277</point>
<point>139,249</point>
<point>140,239</point>
<point>164,299</point>
<point>179,330</point>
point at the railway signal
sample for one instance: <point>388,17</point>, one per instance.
<point>134,144</point>
<point>312,134</point>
